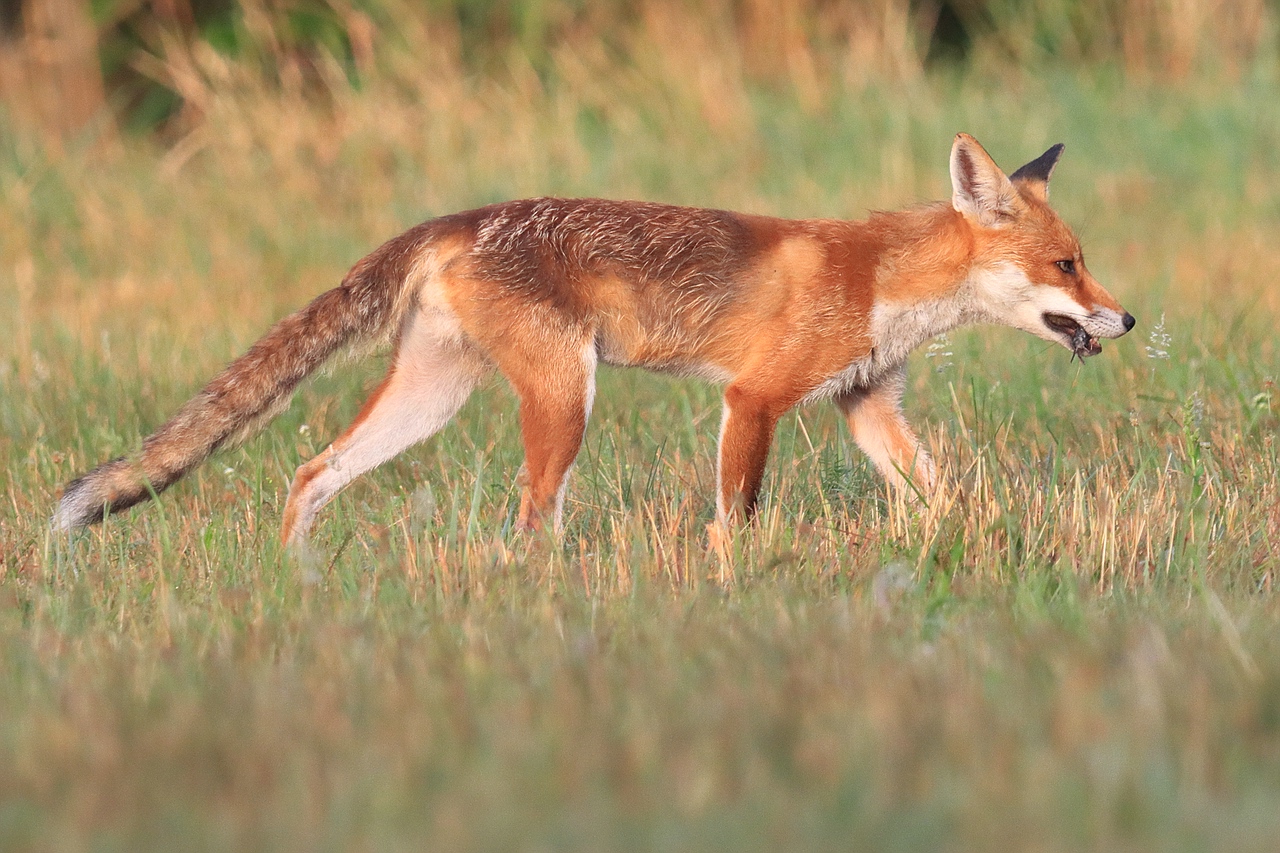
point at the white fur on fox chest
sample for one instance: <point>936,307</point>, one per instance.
<point>897,328</point>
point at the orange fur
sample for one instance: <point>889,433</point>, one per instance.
<point>542,290</point>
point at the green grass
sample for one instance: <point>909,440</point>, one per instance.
<point>1075,647</point>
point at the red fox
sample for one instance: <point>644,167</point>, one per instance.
<point>783,312</point>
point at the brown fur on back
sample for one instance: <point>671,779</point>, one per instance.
<point>533,245</point>
<point>667,274</point>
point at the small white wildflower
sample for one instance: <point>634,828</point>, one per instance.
<point>304,429</point>
<point>1159,341</point>
<point>422,506</point>
<point>1262,400</point>
<point>940,348</point>
<point>893,580</point>
<point>228,470</point>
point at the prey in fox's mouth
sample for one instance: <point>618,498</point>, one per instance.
<point>1080,342</point>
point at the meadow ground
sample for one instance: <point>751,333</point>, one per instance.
<point>1077,646</point>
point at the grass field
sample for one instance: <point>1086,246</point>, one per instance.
<point>1075,647</point>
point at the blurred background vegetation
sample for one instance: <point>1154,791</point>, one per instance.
<point>77,69</point>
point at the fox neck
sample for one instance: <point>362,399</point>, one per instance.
<point>927,288</point>
<point>897,328</point>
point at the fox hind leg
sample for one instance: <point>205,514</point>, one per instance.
<point>555,404</point>
<point>746,432</point>
<point>433,373</point>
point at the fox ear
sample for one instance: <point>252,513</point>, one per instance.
<point>979,189</point>
<point>1034,176</point>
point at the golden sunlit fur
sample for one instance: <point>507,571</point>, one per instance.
<point>544,290</point>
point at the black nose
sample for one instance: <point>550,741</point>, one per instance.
<point>1128,321</point>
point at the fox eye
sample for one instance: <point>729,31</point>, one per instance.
<point>1067,266</point>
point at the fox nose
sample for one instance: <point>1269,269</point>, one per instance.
<point>1128,320</point>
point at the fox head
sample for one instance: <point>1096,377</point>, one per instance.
<point>1028,271</point>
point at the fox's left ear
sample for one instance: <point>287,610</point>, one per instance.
<point>1034,176</point>
<point>979,190</point>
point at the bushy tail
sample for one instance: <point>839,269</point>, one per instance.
<point>254,388</point>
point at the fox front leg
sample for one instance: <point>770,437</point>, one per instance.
<point>875,419</point>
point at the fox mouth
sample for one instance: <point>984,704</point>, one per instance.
<point>1080,342</point>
